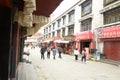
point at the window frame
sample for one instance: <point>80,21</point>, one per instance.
<point>86,24</point>
<point>71,15</point>
<point>86,4</point>
<point>112,16</point>
<point>71,30</point>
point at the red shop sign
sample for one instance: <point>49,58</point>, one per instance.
<point>109,32</point>
<point>84,35</point>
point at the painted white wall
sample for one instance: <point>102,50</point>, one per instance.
<point>97,21</point>
<point>77,18</point>
<point>65,5</point>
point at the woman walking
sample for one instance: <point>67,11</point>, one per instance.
<point>84,53</point>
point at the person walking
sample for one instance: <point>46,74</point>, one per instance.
<point>42,52</point>
<point>48,52</point>
<point>76,53</point>
<point>60,50</point>
<point>84,54</point>
<point>54,52</point>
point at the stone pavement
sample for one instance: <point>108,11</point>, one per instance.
<point>26,71</point>
<point>69,69</point>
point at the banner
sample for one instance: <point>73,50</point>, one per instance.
<point>84,35</point>
<point>109,32</point>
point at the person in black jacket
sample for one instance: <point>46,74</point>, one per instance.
<point>42,52</point>
<point>60,50</point>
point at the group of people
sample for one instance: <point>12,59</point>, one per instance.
<point>84,54</point>
<point>59,50</point>
<point>49,49</point>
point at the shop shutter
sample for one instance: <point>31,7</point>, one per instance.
<point>112,50</point>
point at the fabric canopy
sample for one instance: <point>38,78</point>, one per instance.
<point>61,41</point>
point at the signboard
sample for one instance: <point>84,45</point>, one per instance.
<point>109,32</point>
<point>84,35</point>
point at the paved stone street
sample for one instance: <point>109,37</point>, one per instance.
<point>69,69</point>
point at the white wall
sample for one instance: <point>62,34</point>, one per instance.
<point>97,20</point>
<point>77,18</point>
<point>64,6</point>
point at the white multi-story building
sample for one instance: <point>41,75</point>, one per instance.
<point>108,34</point>
<point>82,25</point>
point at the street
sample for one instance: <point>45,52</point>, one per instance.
<point>69,69</point>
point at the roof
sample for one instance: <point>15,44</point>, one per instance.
<point>46,7</point>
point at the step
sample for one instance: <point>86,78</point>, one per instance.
<point>108,61</point>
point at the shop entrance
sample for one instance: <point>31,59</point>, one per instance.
<point>84,44</point>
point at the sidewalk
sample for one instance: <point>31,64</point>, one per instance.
<point>26,71</point>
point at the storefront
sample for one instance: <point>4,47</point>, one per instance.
<point>110,36</point>
<point>71,45</point>
<point>85,40</point>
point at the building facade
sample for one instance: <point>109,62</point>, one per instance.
<point>109,33</point>
<point>90,24</point>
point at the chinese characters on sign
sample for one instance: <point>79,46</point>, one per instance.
<point>109,32</point>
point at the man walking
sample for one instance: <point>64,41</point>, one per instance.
<point>42,53</point>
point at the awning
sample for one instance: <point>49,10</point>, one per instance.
<point>48,40</point>
<point>61,41</point>
<point>86,35</point>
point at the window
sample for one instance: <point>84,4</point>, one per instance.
<point>107,2</point>
<point>112,16</point>
<point>49,28</point>
<point>58,21</point>
<point>64,20</point>
<point>58,33</point>
<point>86,7</point>
<point>53,26</point>
<point>44,31</point>
<point>71,16</point>
<point>46,35</point>
<point>53,34</point>
<point>49,35</point>
<point>63,32</point>
<point>71,30</point>
<point>86,25</point>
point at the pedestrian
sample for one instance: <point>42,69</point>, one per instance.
<point>26,56</point>
<point>42,52</point>
<point>48,52</point>
<point>84,54</point>
<point>60,50</point>
<point>54,52</point>
<point>76,53</point>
